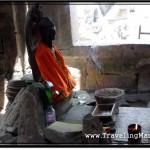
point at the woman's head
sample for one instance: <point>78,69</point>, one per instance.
<point>47,29</point>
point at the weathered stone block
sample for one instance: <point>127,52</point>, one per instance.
<point>92,125</point>
<point>7,138</point>
<point>64,106</point>
<point>76,114</point>
<point>11,118</point>
<point>135,97</point>
<point>25,116</point>
<point>144,82</point>
<point>64,133</point>
<point>31,118</point>
<point>110,81</point>
<point>119,81</point>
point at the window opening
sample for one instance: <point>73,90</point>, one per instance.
<point>110,24</point>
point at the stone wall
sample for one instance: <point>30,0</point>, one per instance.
<point>103,66</point>
<point>60,15</point>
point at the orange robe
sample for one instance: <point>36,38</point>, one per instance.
<point>53,68</point>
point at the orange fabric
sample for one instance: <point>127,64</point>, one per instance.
<point>54,70</point>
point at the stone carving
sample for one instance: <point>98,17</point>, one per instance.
<point>25,117</point>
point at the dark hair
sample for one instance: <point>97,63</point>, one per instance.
<point>45,23</point>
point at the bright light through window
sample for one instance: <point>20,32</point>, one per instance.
<point>110,24</point>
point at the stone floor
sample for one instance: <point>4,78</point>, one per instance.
<point>130,100</point>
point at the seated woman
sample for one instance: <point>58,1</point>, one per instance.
<point>50,61</point>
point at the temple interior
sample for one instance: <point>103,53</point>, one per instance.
<point>106,46</point>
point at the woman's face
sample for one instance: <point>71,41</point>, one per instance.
<point>47,30</point>
<point>51,33</point>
